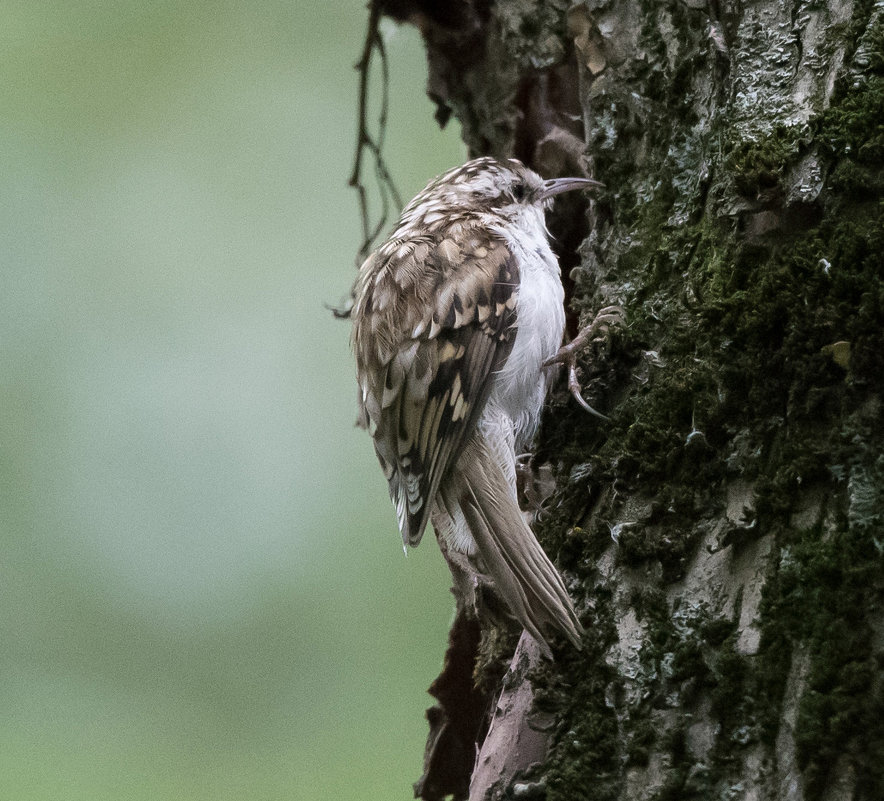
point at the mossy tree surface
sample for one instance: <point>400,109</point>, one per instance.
<point>723,533</point>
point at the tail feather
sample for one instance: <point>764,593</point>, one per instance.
<point>522,572</point>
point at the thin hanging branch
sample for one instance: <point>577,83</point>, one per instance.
<point>366,142</point>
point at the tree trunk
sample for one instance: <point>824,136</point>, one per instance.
<point>722,535</point>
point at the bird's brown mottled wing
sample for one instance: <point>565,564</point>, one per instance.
<point>434,321</point>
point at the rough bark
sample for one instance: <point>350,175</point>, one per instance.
<point>723,533</point>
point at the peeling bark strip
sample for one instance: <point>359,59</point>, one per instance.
<point>725,530</point>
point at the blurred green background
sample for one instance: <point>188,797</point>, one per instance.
<point>202,591</point>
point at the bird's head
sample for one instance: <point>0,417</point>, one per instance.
<point>507,189</point>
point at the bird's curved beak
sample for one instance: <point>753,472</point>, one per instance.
<point>555,186</point>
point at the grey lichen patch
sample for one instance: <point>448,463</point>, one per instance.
<point>674,686</point>
<point>765,50</point>
<point>785,62</point>
<point>865,504</point>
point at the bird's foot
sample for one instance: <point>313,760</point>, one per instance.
<point>605,319</point>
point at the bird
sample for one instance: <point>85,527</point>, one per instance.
<point>458,321</point>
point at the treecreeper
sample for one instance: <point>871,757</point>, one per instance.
<point>458,323</point>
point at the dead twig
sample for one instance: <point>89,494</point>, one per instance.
<point>389,194</point>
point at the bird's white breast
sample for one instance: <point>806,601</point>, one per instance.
<point>520,387</point>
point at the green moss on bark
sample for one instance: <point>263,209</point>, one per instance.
<point>583,761</point>
<point>747,387</point>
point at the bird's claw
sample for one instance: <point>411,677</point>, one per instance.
<point>608,317</point>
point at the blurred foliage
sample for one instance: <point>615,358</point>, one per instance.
<point>202,592</point>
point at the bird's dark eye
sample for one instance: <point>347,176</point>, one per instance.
<point>519,191</point>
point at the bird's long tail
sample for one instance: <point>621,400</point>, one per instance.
<point>522,572</point>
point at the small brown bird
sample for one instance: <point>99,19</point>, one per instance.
<point>457,320</point>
